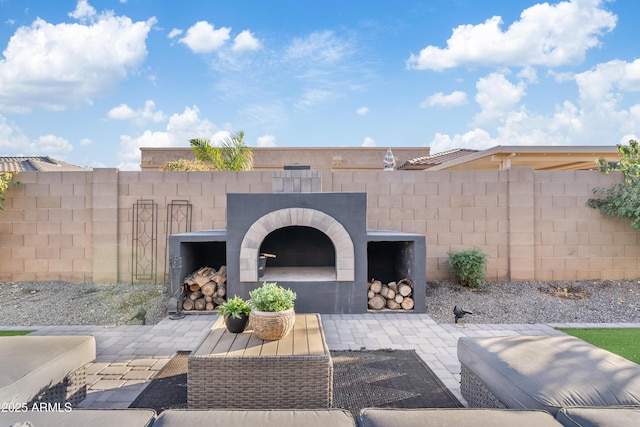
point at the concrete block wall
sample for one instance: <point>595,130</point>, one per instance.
<point>77,226</point>
<point>455,210</point>
<point>46,229</point>
<point>533,225</point>
<point>575,242</point>
<point>205,191</point>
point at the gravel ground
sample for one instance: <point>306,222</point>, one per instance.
<point>60,303</point>
<point>599,301</point>
<point>593,301</point>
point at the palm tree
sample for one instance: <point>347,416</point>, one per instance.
<point>232,154</point>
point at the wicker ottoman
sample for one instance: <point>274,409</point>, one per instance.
<point>241,371</point>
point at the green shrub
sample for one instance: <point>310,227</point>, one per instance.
<point>623,198</point>
<point>271,297</point>
<point>187,165</point>
<point>5,183</point>
<point>469,267</point>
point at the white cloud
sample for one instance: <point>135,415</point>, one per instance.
<point>270,116</point>
<point>175,33</point>
<point>597,119</point>
<point>220,136</point>
<point>246,41</point>
<point>631,78</point>
<point>202,37</point>
<point>57,66</point>
<point>603,92</point>
<point>524,128</point>
<point>454,99</point>
<point>548,35</point>
<point>562,77</point>
<point>529,74</point>
<point>189,125</point>
<point>320,47</point>
<point>51,144</point>
<point>14,142</point>
<point>180,129</point>
<point>121,112</point>
<point>83,11</point>
<point>130,147</point>
<point>86,142</point>
<point>477,139</point>
<point>323,67</point>
<point>267,141</point>
<point>605,112</point>
<point>634,113</point>
<point>565,120</point>
<point>313,70</point>
<point>140,116</point>
<point>608,77</point>
<point>362,111</point>
<point>368,142</point>
<point>497,96</point>
<point>313,97</point>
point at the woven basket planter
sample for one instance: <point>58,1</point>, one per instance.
<point>272,326</point>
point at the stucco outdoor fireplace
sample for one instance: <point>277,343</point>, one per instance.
<point>322,250</point>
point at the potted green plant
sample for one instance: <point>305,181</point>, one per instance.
<point>272,313</point>
<point>235,312</point>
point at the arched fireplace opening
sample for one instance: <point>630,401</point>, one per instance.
<point>300,252</point>
<point>299,246</point>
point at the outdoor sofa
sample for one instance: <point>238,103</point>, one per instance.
<point>44,369</point>
<point>368,417</point>
<point>388,417</point>
<point>547,373</point>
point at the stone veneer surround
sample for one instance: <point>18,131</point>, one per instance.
<point>345,257</point>
<point>341,217</point>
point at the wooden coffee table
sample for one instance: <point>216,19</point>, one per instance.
<point>242,371</point>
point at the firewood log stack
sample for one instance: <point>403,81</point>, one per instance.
<point>205,289</point>
<point>391,296</point>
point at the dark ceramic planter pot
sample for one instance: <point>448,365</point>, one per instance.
<point>235,325</point>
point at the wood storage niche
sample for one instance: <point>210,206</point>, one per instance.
<point>390,296</point>
<point>204,289</point>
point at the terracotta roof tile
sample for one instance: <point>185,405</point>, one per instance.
<point>425,162</point>
<point>37,164</point>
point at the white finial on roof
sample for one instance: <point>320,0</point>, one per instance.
<point>389,161</point>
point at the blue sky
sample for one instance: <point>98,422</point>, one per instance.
<point>90,82</point>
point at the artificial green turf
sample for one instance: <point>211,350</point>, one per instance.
<point>13,333</point>
<point>624,342</point>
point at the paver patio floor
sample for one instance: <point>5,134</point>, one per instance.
<point>128,357</point>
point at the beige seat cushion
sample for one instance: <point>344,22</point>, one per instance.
<point>83,418</point>
<point>374,417</point>
<point>619,416</point>
<point>31,364</point>
<point>263,418</point>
